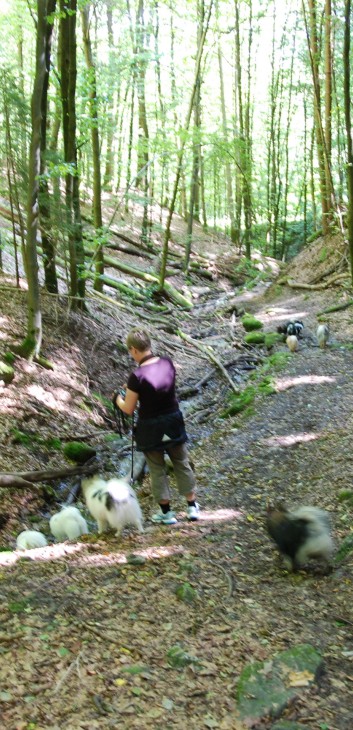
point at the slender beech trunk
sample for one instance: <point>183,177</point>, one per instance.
<point>348,118</point>
<point>164,257</point>
<point>48,245</point>
<point>194,199</point>
<point>314,52</point>
<point>32,344</point>
<point>68,10</point>
<point>93,111</point>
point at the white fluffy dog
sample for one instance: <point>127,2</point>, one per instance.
<point>68,524</point>
<point>29,539</point>
<point>112,503</point>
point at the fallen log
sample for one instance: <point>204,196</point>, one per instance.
<point>27,478</point>
<point>316,287</point>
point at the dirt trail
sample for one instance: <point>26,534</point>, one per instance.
<point>86,631</point>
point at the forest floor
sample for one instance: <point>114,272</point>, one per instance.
<point>85,627</point>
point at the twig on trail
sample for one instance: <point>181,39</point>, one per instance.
<point>102,635</point>
<point>228,577</point>
<point>66,674</point>
<point>344,620</point>
<point>207,351</point>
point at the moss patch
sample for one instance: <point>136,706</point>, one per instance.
<point>78,452</point>
<point>250,323</point>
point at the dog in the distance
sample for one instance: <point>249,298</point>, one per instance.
<point>322,334</point>
<point>300,534</point>
<point>112,503</point>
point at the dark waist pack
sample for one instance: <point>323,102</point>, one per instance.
<point>156,434</point>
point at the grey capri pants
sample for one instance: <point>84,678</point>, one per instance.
<point>184,474</point>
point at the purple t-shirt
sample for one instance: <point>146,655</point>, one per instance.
<point>155,385</point>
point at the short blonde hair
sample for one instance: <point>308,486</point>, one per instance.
<point>139,339</point>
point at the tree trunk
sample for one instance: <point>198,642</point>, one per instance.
<point>93,110</point>
<point>48,245</point>
<point>314,52</point>
<point>32,344</point>
<point>164,257</point>
<point>348,118</point>
<point>68,10</point>
<point>194,200</point>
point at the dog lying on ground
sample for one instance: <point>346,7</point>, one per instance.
<point>68,524</point>
<point>300,534</point>
<point>112,503</point>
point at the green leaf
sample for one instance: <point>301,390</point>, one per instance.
<point>63,651</point>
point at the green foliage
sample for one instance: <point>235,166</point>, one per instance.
<point>271,339</point>
<point>19,437</point>
<point>345,495</point>
<point>250,323</point>
<point>255,338</point>
<point>53,443</point>
<point>178,658</point>
<point>79,452</point>
<point>7,372</point>
<point>9,358</point>
<point>186,593</point>
<point>345,548</point>
<point>26,439</point>
<point>239,401</point>
<point>18,606</point>
<point>265,386</point>
<point>323,254</point>
<point>275,362</point>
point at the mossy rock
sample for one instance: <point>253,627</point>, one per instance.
<point>239,402</point>
<point>264,691</point>
<point>250,323</point>
<point>7,372</point>
<point>255,338</point>
<point>271,339</point>
<point>79,452</point>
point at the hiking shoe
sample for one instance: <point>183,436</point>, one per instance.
<point>164,519</point>
<point>193,513</point>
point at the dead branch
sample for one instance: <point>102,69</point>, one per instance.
<point>336,267</point>
<point>336,308</point>
<point>207,351</point>
<point>315,287</point>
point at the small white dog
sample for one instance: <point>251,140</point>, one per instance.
<point>112,503</point>
<point>30,539</point>
<point>68,524</point>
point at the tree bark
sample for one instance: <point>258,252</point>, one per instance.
<point>94,117</point>
<point>68,11</point>
<point>32,344</point>
<point>348,119</point>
